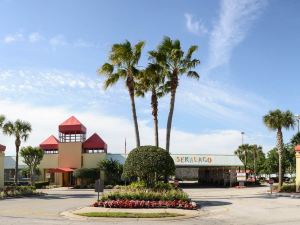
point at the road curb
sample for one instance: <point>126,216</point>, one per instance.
<point>72,216</point>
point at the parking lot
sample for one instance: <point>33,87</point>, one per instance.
<point>219,206</point>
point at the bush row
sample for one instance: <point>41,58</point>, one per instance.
<point>145,194</point>
<point>15,191</point>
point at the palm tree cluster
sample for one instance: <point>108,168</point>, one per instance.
<point>20,130</point>
<point>252,157</point>
<point>160,77</point>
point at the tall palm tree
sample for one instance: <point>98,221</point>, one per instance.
<point>276,120</point>
<point>123,61</point>
<point>152,80</point>
<point>20,130</point>
<point>171,56</point>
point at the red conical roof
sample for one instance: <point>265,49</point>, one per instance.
<point>95,142</point>
<point>2,148</point>
<point>50,143</point>
<point>72,125</point>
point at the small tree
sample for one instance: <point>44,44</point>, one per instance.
<point>149,163</point>
<point>32,157</point>
<point>113,170</point>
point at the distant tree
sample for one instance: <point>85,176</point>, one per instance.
<point>272,162</point>
<point>123,61</point>
<point>295,139</point>
<point>252,157</point>
<point>113,170</point>
<point>20,130</point>
<point>32,157</point>
<point>2,119</point>
<point>277,120</point>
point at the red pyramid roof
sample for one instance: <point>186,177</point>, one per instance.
<point>95,142</point>
<point>50,143</point>
<point>297,148</point>
<point>72,125</point>
<point>2,148</point>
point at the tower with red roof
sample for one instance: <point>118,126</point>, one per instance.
<point>70,151</point>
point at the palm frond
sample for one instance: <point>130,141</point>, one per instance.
<point>106,69</point>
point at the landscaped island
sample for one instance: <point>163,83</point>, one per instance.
<point>137,195</point>
<point>150,165</point>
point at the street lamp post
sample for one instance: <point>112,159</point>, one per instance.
<point>242,133</point>
<point>297,118</point>
<point>245,152</point>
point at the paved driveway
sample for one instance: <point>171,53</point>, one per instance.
<point>220,206</point>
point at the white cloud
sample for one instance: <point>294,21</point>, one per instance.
<point>235,19</point>
<point>11,38</point>
<point>35,37</point>
<point>45,121</point>
<point>83,43</point>
<point>58,40</point>
<point>194,26</point>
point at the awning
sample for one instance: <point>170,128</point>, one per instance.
<point>60,170</point>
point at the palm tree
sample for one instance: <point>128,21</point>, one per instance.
<point>242,153</point>
<point>171,56</point>
<point>123,61</point>
<point>20,130</point>
<point>276,120</point>
<point>152,80</point>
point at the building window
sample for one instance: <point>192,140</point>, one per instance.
<point>51,151</point>
<point>93,151</point>
<point>72,137</point>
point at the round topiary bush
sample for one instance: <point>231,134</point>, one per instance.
<point>148,163</point>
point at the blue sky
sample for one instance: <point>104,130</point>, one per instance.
<point>249,52</point>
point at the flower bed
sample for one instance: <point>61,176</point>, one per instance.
<point>146,204</point>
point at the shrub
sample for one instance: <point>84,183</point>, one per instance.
<point>15,191</point>
<point>149,164</point>
<point>87,173</point>
<point>113,171</point>
<point>286,188</point>
<point>41,184</point>
<point>144,194</point>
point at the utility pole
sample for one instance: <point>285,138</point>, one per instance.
<point>245,152</point>
<point>297,118</point>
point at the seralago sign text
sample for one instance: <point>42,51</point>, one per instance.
<point>192,159</point>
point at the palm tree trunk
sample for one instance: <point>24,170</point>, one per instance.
<point>245,152</point>
<point>154,104</point>
<point>174,85</point>
<point>17,143</point>
<point>133,109</point>
<point>280,151</point>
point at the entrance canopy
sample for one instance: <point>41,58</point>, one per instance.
<point>60,170</point>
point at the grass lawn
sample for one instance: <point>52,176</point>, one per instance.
<point>129,215</point>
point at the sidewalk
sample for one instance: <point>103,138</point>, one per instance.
<point>292,195</point>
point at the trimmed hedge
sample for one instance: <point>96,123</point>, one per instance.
<point>149,164</point>
<point>41,184</point>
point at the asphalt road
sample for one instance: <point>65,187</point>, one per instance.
<point>220,206</point>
